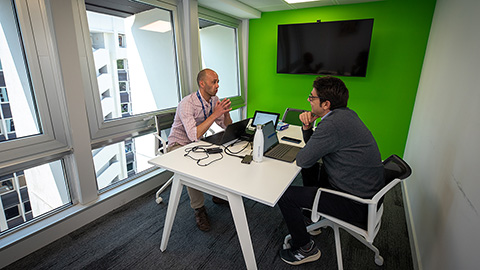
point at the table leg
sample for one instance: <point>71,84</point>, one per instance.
<point>240,220</point>
<point>171,210</point>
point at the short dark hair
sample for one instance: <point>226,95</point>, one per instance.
<point>331,89</point>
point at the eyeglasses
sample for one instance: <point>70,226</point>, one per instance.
<point>310,98</point>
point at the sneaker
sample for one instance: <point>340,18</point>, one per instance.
<point>307,253</point>
<point>201,219</point>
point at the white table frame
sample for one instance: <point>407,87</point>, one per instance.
<point>264,182</point>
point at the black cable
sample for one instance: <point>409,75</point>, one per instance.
<point>201,149</point>
<point>204,165</point>
<point>234,154</point>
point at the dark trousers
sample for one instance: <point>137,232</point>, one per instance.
<point>296,198</point>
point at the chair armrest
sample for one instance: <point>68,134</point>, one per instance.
<point>315,216</point>
<point>164,143</point>
<point>371,202</point>
<point>158,137</point>
<point>385,189</point>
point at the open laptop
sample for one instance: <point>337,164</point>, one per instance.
<point>232,132</point>
<point>260,117</point>
<point>274,149</point>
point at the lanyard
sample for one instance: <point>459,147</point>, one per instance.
<point>203,107</point>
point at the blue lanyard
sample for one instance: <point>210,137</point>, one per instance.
<point>203,107</point>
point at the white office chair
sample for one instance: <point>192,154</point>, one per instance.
<point>396,169</point>
<point>161,146</point>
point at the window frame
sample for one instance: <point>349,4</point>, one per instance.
<point>213,16</point>
<point>116,130</point>
<point>41,63</point>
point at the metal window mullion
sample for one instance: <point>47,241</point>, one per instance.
<point>19,195</point>
<point>3,218</point>
<point>34,160</point>
<point>3,125</point>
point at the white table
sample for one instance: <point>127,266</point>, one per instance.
<point>229,179</point>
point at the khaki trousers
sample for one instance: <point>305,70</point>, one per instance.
<point>196,197</point>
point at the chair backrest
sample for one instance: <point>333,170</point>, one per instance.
<point>395,167</point>
<point>163,123</point>
<point>291,116</point>
<point>161,135</point>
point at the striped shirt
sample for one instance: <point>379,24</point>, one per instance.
<point>189,115</point>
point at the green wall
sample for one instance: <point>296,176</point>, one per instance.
<point>384,99</point>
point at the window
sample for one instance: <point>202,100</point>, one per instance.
<point>15,82</point>
<point>121,41</point>
<point>33,138</point>
<point>31,193</point>
<point>3,92</point>
<point>135,71</point>
<point>134,65</point>
<point>22,105</point>
<point>124,87</point>
<point>117,163</point>
<point>221,51</point>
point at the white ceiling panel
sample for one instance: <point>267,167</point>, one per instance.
<point>232,7</point>
<point>250,9</point>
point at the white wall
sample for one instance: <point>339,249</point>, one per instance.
<point>443,145</point>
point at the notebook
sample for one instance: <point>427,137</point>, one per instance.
<point>274,149</point>
<point>232,132</point>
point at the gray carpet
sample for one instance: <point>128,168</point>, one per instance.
<point>129,238</point>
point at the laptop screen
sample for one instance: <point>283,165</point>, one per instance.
<point>232,132</point>
<point>269,136</point>
<point>262,118</point>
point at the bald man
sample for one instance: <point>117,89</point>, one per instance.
<point>195,114</point>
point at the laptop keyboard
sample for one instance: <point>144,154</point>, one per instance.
<point>279,150</point>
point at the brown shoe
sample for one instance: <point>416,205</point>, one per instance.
<point>201,218</point>
<point>217,200</point>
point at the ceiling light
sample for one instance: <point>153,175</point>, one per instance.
<point>158,26</point>
<point>299,1</point>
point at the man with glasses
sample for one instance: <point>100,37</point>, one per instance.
<point>195,114</point>
<point>351,164</point>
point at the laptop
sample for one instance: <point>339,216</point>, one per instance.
<point>232,132</point>
<point>274,149</point>
<point>260,117</point>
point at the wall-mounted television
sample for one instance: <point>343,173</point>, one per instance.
<point>335,48</point>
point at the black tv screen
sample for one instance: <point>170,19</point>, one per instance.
<point>334,48</point>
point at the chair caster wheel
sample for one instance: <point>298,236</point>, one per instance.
<point>315,232</point>
<point>379,260</point>
<point>159,200</point>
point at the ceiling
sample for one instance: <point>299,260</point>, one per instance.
<point>252,9</point>
<point>242,9</point>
